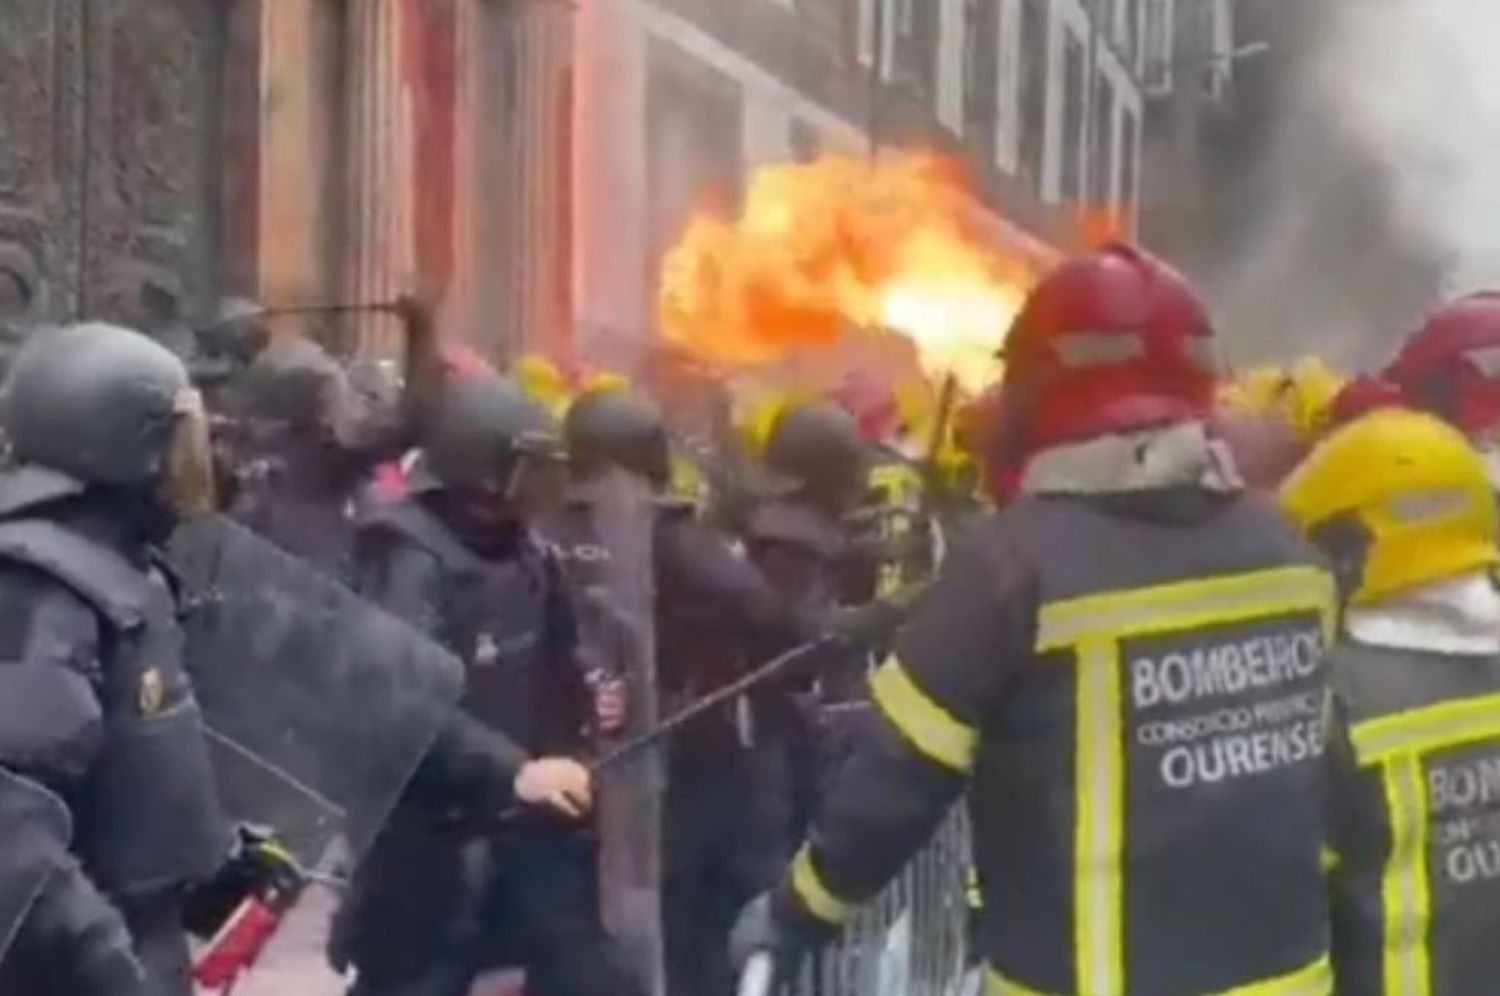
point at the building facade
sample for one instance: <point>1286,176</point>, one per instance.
<point>678,100</point>
<point>523,162</point>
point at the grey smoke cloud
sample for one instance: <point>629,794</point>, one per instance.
<point>1417,84</point>
<point>1370,176</point>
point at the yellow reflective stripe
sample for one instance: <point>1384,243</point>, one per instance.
<point>1328,859</point>
<point>1447,724</point>
<point>1186,604</point>
<point>1313,979</point>
<point>929,727</point>
<point>815,896</point>
<point>1098,835</point>
<point>996,984</point>
<point>1403,887</point>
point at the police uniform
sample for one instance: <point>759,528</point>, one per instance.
<point>1132,688</point>
<point>98,709</point>
<point>82,618</point>
<point>444,892</point>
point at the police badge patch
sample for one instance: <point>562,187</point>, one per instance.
<point>151,692</point>
<point>486,651</point>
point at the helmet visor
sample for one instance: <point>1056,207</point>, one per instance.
<point>187,484</point>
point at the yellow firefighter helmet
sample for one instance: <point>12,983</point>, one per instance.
<point>1301,394</point>
<point>1399,498</point>
<point>540,378</point>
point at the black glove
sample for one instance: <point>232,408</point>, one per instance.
<point>258,867</point>
<point>875,623</point>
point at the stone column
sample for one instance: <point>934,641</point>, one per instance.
<point>378,251</point>
<point>611,300</point>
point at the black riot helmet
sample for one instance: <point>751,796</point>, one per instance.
<point>617,427</point>
<point>479,435</point>
<point>294,382</point>
<point>97,404</point>
<point>816,447</point>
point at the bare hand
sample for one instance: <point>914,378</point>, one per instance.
<point>557,783</point>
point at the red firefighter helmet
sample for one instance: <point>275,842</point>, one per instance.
<point>1362,395</point>
<point>1109,342</point>
<point>1451,365</point>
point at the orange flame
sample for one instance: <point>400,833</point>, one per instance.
<point>841,243</point>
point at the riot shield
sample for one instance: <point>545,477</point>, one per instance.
<point>36,829</point>
<point>607,547</point>
<point>318,706</point>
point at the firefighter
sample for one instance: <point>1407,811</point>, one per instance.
<point>101,739</point>
<point>1401,505</point>
<point>448,889</point>
<point>1451,368</point>
<point>726,811</point>
<point>1123,667</point>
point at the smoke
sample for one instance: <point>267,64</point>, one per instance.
<point>1374,180</point>
<point>1417,83</point>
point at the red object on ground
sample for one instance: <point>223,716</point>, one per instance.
<point>238,943</point>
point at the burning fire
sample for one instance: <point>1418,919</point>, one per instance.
<point>843,243</point>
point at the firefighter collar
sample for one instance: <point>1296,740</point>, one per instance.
<point>1454,616</point>
<point>1183,454</point>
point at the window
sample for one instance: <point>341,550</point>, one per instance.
<point>1130,26</point>
<point>1102,137</point>
<point>875,20</point>
<point>1156,46</point>
<point>1130,152</point>
<point>981,68</point>
<point>1075,98</point>
<point>1033,90</point>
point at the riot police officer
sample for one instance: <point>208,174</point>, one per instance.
<point>726,809</point>
<point>97,714</point>
<point>306,441</point>
<point>1402,505</point>
<point>1124,670</point>
<point>448,889</point>
<point>814,474</point>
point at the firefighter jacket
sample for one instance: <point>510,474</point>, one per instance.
<point>1131,686</point>
<point>1416,880</point>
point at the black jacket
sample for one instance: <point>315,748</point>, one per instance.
<point>1132,691</point>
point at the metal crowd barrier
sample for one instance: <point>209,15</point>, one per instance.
<point>912,941</point>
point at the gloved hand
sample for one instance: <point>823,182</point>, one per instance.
<point>876,622</point>
<point>758,932</point>
<point>258,867</point>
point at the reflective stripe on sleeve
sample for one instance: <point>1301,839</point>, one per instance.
<point>930,728</point>
<point>1312,979</point>
<point>1404,896</point>
<point>996,984</point>
<point>816,897</point>
<point>1447,724</point>
<point>1184,605</point>
<point>1098,834</point>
